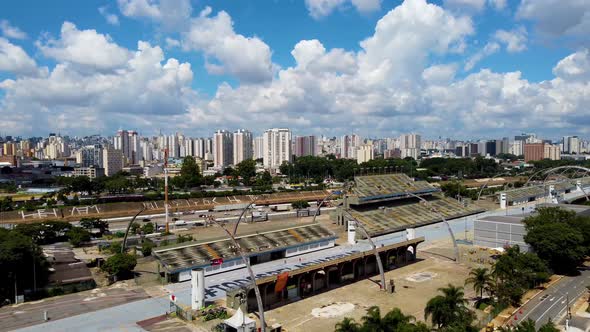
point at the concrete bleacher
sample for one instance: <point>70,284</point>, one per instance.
<point>191,255</point>
<point>413,213</point>
<point>386,187</point>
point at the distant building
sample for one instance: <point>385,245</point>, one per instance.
<point>305,146</point>
<point>89,156</point>
<point>571,145</point>
<point>242,146</point>
<point>349,145</point>
<point>113,161</point>
<point>6,159</point>
<point>222,149</point>
<point>91,172</point>
<point>540,151</point>
<point>258,147</point>
<point>364,153</point>
<point>410,145</point>
<point>276,147</point>
<point>552,152</point>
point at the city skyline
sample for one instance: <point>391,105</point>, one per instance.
<point>493,69</point>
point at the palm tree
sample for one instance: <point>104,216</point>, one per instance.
<point>437,308</point>
<point>372,320</point>
<point>347,325</point>
<point>449,308</point>
<point>480,278</point>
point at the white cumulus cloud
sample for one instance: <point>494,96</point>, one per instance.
<point>85,48</point>
<point>227,52</point>
<point>10,31</point>
<point>321,8</point>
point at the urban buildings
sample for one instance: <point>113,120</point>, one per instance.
<point>540,151</point>
<point>113,161</point>
<point>364,153</point>
<point>305,146</point>
<point>349,145</point>
<point>222,149</point>
<point>571,145</point>
<point>276,147</point>
<point>410,145</point>
<point>242,146</point>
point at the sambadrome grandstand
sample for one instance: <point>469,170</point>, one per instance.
<point>123,209</point>
<point>384,204</point>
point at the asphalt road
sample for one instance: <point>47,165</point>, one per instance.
<point>33,313</point>
<point>552,303</point>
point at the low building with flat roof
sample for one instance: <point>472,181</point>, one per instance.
<point>221,255</point>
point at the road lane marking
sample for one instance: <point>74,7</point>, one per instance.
<point>545,312</point>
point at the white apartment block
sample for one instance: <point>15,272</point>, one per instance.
<point>242,146</point>
<point>364,153</point>
<point>276,147</point>
<point>222,149</point>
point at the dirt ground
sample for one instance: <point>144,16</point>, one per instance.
<point>415,285</point>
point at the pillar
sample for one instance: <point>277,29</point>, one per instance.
<point>197,289</point>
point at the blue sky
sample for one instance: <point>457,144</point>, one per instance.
<point>461,68</point>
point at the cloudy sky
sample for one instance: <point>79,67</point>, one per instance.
<point>458,68</point>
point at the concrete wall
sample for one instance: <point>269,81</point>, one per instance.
<point>499,234</point>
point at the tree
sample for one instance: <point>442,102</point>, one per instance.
<point>120,265</point>
<point>480,279</point>
<point>347,325</point>
<point>246,170</point>
<point>146,248</point>
<point>393,321</point>
<point>78,235</point>
<point>19,257</point>
<point>515,272</point>
<point>558,237</point>
<point>190,175</point>
<point>449,309</point>
<point>95,223</point>
<point>148,228</point>
<point>302,204</point>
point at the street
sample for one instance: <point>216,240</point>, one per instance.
<point>552,303</point>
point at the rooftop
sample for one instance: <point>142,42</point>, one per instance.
<point>386,187</point>
<point>412,214</point>
<point>200,254</point>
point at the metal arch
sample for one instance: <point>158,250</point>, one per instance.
<point>433,209</point>
<point>317,210</point>
<point>242,215</point>
<point>124,244</point>
<point>483,186</point>
<point>374,247</point>
<point>587,170</point>
<point>566,168</point>
<point>250,272</point>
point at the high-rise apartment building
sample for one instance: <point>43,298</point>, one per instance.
<point>222,149</point>
<point>89,156</point>
<point>349,145</point>
<point>276,147</point>
<point>571,144</point>
<point>364,153</point>
<point>305,146</point>
<point>242,145</point>
<point>113,161</point>
<point>259,147</point>
<point>129,144</point>
<point>410,145</point>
